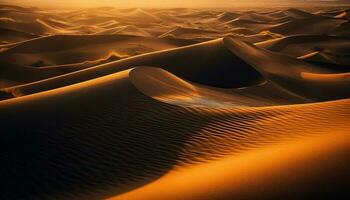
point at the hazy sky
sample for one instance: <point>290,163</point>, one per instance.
<point>157,3</point>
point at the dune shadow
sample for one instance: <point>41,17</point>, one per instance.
<point>91,145</point>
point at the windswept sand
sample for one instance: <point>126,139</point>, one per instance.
<point>190,104</point>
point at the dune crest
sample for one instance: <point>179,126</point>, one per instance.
<point>288,72</point>
<point>175,103</point>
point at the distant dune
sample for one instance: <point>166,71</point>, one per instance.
<point>190,104</point>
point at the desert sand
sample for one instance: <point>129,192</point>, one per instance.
<point>183,103</point>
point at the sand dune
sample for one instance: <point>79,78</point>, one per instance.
<point>191,33</point>
<point>261,18</point>
<point>65,158</point>
<point>228,16</point>
<point>240,173</point>
<point>336,13</point>
<point>216,61</point>
<point>294,75</point>
<point>328,49</point>
<point>298,14</point>
<point>166,87</point>
<point>12,74</point>
<point>12,36</point>
<point>140,14</point>
<point>312,26</point>
<point>180,103</point>
<point>251,24</point>
<point>80,48</point>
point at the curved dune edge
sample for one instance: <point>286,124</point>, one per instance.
<point>215,60</point>
<point>276,62</point>
<point>215,120</point>
<point>166,87</point>
<point>299,168</point>
<point>129,157</point>
<point>326,49</point>
<point>272,66</point>
<point>192,136</point>
<point>289,73</point>
<point>339,79</point>
<point>70,49</point>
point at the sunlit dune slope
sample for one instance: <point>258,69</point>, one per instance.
<point>299,77</point>
<point>297,169</point>
<point>164,86</point>
<point>68,49</point>
<point>203,63</point>
<point>121,157</point>
<point>175,103</point>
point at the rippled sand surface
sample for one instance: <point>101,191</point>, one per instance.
<point>189,104</point>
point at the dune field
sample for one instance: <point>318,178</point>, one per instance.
<point>175,104</point>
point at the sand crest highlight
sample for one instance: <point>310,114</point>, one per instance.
<point>178,103</point>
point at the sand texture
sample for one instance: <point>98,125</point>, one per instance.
<point>174,104</point>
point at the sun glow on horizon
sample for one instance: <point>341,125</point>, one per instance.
<point>158,3</point>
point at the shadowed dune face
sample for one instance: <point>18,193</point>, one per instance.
<point>301,78</point>
<point>75,156</point>
<point>174,103</point>
<point>209,63</point>
<point>81,48</point>
<point>164,86</point>
<point>116,153</point>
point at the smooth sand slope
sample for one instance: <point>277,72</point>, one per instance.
<point>190,104</point>
<point>12,74</point>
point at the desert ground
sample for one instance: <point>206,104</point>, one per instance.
<point>175,104</point>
